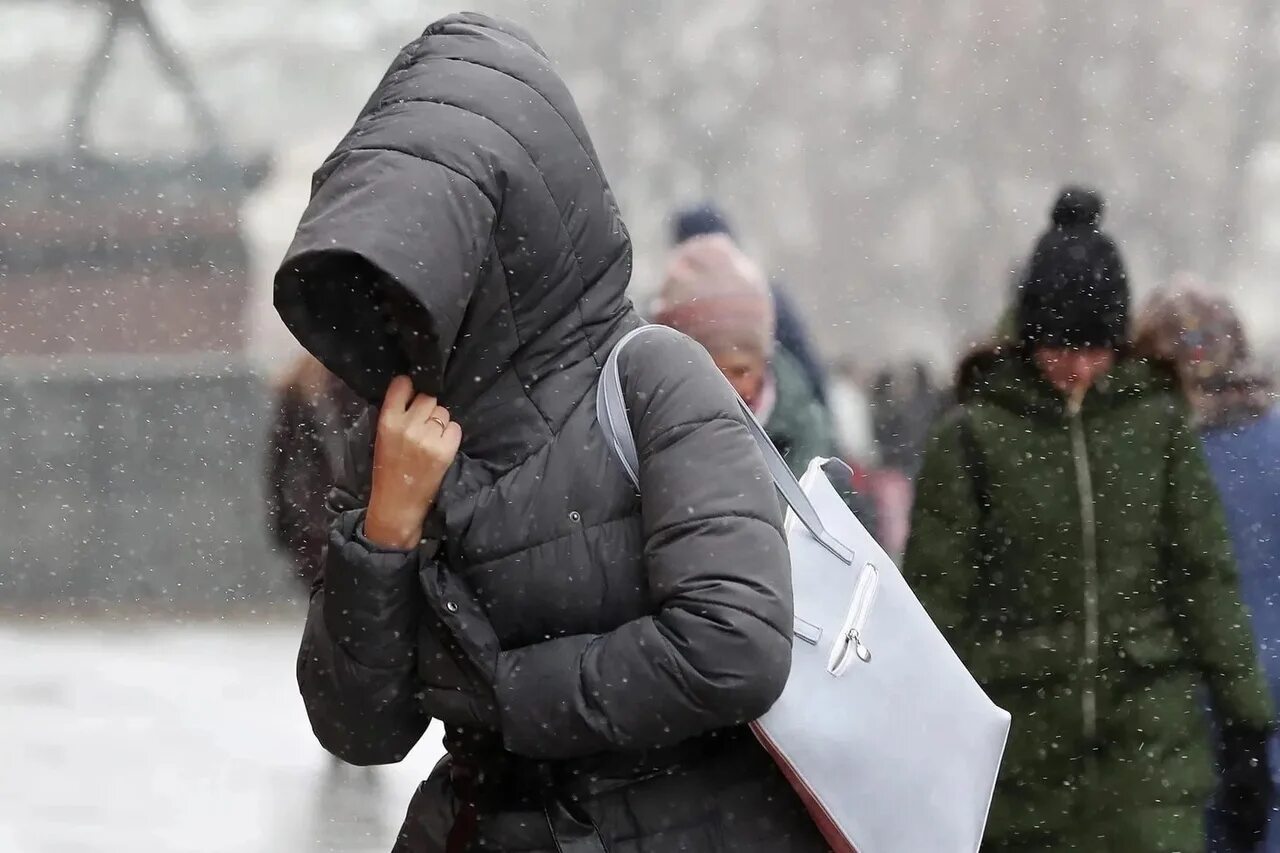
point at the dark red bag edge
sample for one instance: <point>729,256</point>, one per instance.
<point>822,818</point>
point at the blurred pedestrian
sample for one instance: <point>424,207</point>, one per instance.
<point>887,491</point>
<point>1240,427</point>
<point>718,296</point>
<point>904,405</point>
<point>789,327</point>
<point>304,458</point>
<point>1068,540</point>
<point>851,415</point>
<point>593,654</point>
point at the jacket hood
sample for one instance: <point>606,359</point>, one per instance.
<point>1005,376</point>
<point>463,232</point>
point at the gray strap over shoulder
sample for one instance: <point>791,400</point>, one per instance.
<point>611,412</point>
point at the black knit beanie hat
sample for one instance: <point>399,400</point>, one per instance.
<point>1075,292</point>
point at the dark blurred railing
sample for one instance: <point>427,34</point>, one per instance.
<point>134,483</point>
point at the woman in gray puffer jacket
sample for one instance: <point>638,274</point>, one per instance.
<point>594,654</point>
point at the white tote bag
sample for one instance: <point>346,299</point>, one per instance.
<point>892,745</point>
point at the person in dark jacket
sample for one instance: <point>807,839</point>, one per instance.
<point>904,406</point>
<point>1239,426</point>
<point>1068,541</point>
<point>304,460</point>
<point>594,654</point>
<point>718,296</point>
<point>789,328</point>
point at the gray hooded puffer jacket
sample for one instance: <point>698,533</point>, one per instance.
<point>593,653</point>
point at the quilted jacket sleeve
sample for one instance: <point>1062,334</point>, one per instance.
<point>716,651</point>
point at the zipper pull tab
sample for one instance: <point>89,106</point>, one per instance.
<point>863,653</point>
<point>849,645</point>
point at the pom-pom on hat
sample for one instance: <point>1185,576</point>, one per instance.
<point>1075,292</point>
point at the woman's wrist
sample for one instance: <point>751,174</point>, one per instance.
<point>392,530</point>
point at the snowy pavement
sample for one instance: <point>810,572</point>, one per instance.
<point>151,736</point>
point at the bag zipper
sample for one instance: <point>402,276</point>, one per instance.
<point>849,644</point>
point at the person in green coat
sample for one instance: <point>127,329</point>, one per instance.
<point>1068,541</point>
<point>716,295</point>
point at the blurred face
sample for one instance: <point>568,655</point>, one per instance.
<point>409,327</point>
<point>1073,370</point>
<point>745,372</point>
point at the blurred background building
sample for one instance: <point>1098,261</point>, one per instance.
<point>889,163</point>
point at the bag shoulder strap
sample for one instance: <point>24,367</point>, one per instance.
<point>611,412</point>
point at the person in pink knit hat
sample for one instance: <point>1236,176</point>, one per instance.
<point>716,295</point>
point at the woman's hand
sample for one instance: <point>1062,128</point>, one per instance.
<point>414,446</point>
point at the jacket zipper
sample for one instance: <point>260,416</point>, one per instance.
<point>1089,541</point>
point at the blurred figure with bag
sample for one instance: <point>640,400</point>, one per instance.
<point>904,405</point>
<point>304,460</point>
<point>1239,426</point>
<point>1068,540</point>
